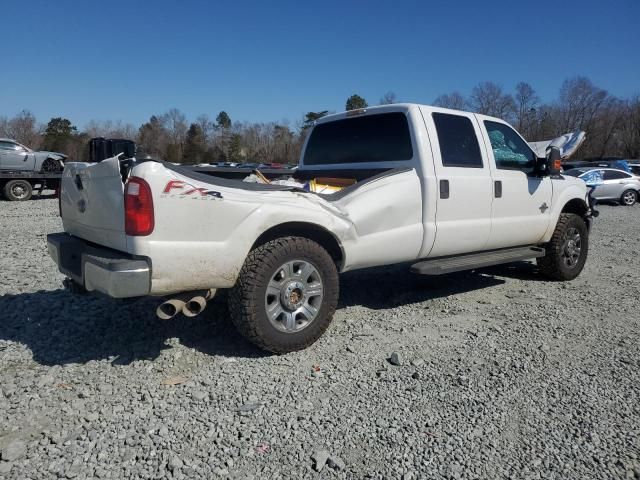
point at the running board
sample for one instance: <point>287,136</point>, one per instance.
<point>440,266</point>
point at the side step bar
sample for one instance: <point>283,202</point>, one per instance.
<point>458,263</point>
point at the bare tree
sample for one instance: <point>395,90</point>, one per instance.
<point>110,129</point>
<point>22,128</point>
<point>176,125</point>
<point>579,102</point>
<point>454,100</point>
<point>526,103</point>
<point>489,99</point>
<point>388,98</point>
<point>207,126</point>
<point>629,134</point>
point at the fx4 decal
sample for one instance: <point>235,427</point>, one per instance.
<point>178,188</point>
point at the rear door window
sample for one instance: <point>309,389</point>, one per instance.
<point>373,138</point>
<point>613,175</point>
<point>458,141</point>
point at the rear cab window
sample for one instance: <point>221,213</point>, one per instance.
<point>382,137</point>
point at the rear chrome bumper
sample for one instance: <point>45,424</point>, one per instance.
<point>113,273</point>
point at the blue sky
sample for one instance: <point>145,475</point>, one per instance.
<point>264,61</point>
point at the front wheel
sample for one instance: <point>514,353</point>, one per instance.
<point>51,166</point>
<point>286,294</point>
<point>628,198</point>
<point>567,250</point>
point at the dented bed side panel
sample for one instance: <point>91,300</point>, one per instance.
<point>203,233</point>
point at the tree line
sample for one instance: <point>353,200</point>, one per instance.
<point>612,125</point>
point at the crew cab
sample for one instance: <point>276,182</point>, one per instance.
<point>441,190</point>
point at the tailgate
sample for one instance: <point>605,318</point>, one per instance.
<point>92,202</point>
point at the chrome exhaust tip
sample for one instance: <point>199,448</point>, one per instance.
<point>169,309</point>
<point>189,303</point>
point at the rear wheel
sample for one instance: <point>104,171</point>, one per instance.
<point>286,294</point>
<point>567,250</point>
<point>18,190</point>
<point>628,198</point>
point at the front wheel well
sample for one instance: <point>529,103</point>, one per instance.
<point>577,206</point>
<point>305,230</point>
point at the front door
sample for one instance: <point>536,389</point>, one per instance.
<point>14,157</point>
<point>520,214</point>
<point>463,208</point>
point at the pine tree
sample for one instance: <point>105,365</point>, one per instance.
<point>355,101</point>
<point>194,145</point>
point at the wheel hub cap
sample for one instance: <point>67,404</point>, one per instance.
<point>294,296</point>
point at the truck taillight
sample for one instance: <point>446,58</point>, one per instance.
<point>138,208</point>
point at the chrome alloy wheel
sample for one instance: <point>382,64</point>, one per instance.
<point>629,198</point>
<point>571,247</point>
<point>294,296</point>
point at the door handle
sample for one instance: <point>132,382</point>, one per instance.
<point>444,189</point>
<point>497,188</point>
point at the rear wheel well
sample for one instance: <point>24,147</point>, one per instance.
<point>305,230</point>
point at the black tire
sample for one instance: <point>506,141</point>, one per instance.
<point>18,190</point>
<point>567,251</point>
<point>628,198</point>
<point>249,298</point>
<point>51,166</point>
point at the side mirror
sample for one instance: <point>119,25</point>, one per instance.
<point>554,161</point>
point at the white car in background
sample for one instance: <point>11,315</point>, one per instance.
<point>18,158</point>
<point>617,185</point>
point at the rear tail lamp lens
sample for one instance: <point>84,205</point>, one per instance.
<point>138,208</point>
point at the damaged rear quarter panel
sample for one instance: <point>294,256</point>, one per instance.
<point>201,241</point>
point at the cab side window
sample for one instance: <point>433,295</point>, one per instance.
<point>458,141</point>
<point>509,150</point>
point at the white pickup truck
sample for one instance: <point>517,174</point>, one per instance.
<point>443,190</point>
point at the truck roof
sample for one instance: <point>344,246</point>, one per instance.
<point>393,107</point>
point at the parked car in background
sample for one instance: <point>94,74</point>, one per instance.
<point>17,157</point>
<point>635,168</point>
<point>617,185</point>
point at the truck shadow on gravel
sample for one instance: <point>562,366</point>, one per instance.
<point>61,328</point>
<point>388,287</point>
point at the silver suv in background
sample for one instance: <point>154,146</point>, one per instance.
<point>617,185</point>
<point>16,157</point>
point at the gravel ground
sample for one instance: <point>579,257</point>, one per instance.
<point>489,374</point>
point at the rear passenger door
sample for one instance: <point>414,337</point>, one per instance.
<point>522,201</point>
<point>614,184</point>
<point>463,216</point>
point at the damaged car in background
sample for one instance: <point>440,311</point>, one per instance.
<point>442,190</point>
<point>18,158</point>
